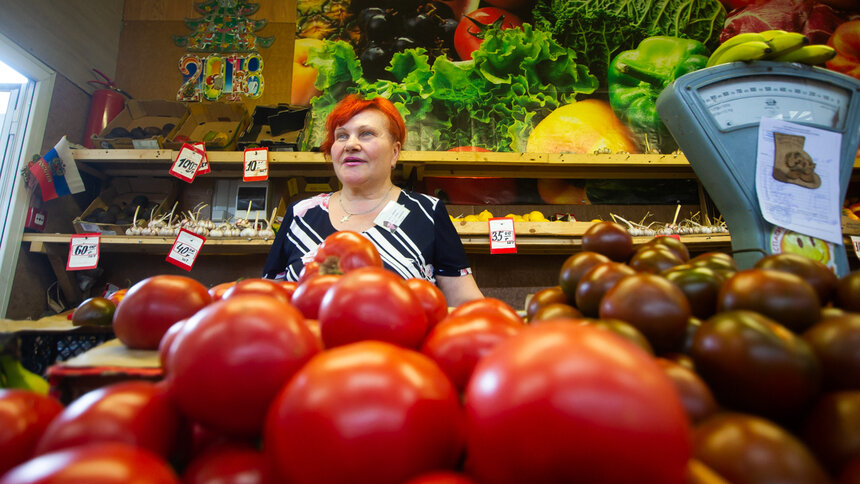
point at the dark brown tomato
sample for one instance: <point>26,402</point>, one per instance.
<point>543,297</point>
<point>95,311</point>
<point>752,364</point>
<point>836,343</point>
<point>783,297</point>
<point>701,285</point>
<point>697,398</point>
<point>653,305</point>
<point>574,267</point>
<point>693,325</point>
<point>654,259</point>
<point>715,260</point>
<point>832,429</point>
<point>851,473</point>
<point>555,310</point>
<point>816,274</point>
<point>596,282</point>
<point>675,245</point>
<point>698,473</point>
<point>848,292</point>
<point>610,239</point>
<point>745,449</point>
<point>623,329</point>
<point>681,359</point>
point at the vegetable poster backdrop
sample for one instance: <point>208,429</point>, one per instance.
<point>533,75</point>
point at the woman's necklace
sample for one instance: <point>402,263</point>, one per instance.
<point>346,217</point>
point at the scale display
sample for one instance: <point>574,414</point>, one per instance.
<point>740,102</point>
<point>715,115</point>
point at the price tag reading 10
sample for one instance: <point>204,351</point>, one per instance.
<point>185,249</point>
<point>83,252</point>
<point>187,162</point>
<point>256,164</point>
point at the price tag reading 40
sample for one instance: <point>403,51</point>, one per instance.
<point>83,252</point>
<point>503,240</point>
<point>256,164</point>
<point>187,162</point>
<point>185,249</point>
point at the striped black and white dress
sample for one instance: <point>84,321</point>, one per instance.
<point>425,245</point>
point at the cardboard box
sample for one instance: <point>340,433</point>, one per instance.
<point>217,125</point>
<point>122,191</point>
<point>278,128</point>
<point>146,116</point>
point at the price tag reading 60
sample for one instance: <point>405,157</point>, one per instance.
<point>83,252</point>
<point>185,249</point>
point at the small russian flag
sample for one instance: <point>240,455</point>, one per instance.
<point>57,172</point>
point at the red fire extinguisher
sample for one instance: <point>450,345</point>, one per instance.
<point>107,102</point>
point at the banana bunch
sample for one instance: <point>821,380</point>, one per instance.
<point>13,375</point>
<point>774,45</point>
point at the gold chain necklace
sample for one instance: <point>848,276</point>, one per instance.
<point>346,217</point>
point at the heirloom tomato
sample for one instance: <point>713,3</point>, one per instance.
<point>835,341</point>
<point>574,267</point>
<point>98,463</point>
<point>596,282</point>
<point>371,303</point>
<point>152,305</point>
<point>365,412</point>
<point>230,360</point>
<point>543,297</point>
<point>610,239</point>
<point>781,296</point>
<point>546,405</point>
<point>24,415</point>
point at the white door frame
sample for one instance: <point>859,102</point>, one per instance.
<point>31,142</point>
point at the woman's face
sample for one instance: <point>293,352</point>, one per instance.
<point>364,150</point>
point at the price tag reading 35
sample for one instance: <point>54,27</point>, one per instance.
<point>185,249</point>
<point>503,240</point>
<point>187,162</point>
<point>256,164</point>
<point>83,252</point>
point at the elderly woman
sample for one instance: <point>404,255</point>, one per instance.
<point>412,231</point>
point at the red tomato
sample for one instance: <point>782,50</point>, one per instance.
<point>167,341</point>
<point>24,415</point>
<point>100,463</point>
<point>468,36</point>
<point>372,303</point>
<point>289,286</point>
<point>310,292</point>
<point>457,344</point>
<point>117,296</point>
<point>230,360</point>
<point>490,307</point>
<point>344,251</point>
<point>365,412</point>
<point>152,305</point>
<point>263,287</point>
<point>138,413</point>
<point>217,291</point>
<point>561,400</point>
<point>441,477</point>
<point>229,463</point>
<point>432,300</point>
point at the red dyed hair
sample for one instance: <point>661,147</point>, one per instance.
<point>354,104</point>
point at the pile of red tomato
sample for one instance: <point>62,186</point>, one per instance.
<point>642,366</point>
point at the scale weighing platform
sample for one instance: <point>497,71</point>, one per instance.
<point>715,115</point>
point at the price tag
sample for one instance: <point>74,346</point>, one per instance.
<point>186,163</point>
<point>185,249</point>
<point>83,252</point>
<point>503,240</point>
<point>855,241</point>
<point>674,236</point>
<point>204,163</point>
<point>256,164</point>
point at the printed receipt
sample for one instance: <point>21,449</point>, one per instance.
<point>797,178</point>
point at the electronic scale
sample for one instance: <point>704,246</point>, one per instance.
<point>714,115</point>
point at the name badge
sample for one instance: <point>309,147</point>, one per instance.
<point>391,216</point>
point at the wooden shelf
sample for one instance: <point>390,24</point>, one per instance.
<point>424,163</point>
